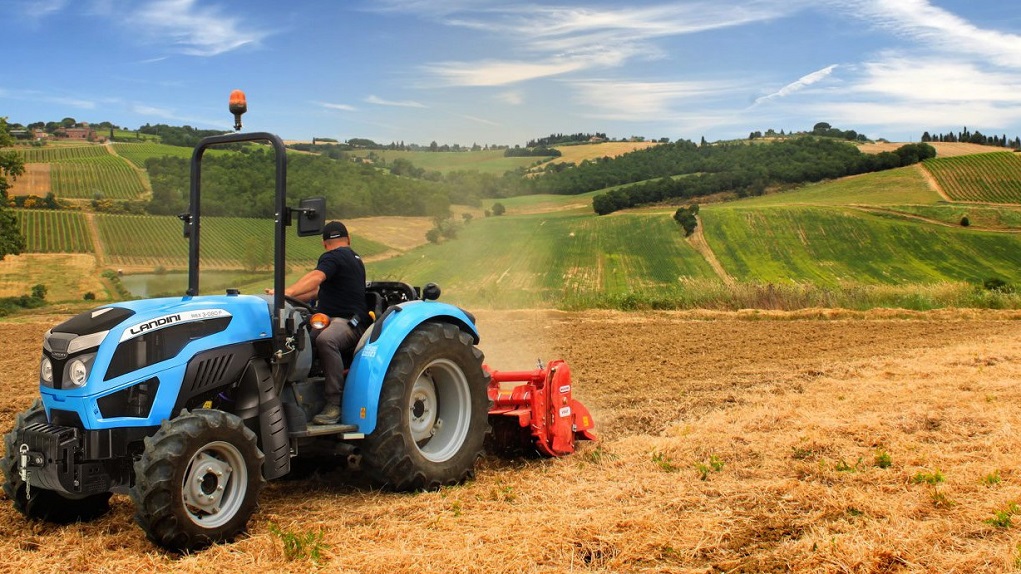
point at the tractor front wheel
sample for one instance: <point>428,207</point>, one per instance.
<point>198,480</point>
<point>433,412</point>
<point>44,504</point>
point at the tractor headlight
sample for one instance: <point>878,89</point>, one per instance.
<point>77,372</point>
<point>46,371</point>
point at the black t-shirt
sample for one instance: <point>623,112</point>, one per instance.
<point>342,294</point>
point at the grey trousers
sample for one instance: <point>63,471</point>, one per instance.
<point>339,336</point>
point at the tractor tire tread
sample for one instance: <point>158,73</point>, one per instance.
<point>157,483</point>
<point>388,458</point>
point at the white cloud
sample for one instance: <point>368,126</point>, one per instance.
<point>936,27</point>
<point>479,120</point>
<point>341,107</point>
<point>802,83</point>
<point>197,30</point>
<point>38,96</point>
<point>512,97</point>
<point>499,73</point>
<point>939,81</point>
<point>912,120</point>
<point>72,102</point>
<point>645,101</point>
<point>37,9</point>
<point>562,40</point>
<point>400,104</point>
<point>146,110</point>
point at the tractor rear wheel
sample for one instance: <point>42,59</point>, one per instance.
<point>433,412</point>
<point>44,504</point>
<point>198,480</point>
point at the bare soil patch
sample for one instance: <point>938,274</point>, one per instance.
<point>738,442</point>
<point>579,153</point>
<point>35,181</point>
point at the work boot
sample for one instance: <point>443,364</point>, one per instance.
<point>329,415</point>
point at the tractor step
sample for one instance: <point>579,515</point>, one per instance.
<point>347,432</point>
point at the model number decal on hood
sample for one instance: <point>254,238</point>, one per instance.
<point>172,319</point>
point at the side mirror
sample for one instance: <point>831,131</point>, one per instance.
<point>186,218</point>
<point>311,216</point>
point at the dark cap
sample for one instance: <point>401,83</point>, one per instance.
<point>333,230</point>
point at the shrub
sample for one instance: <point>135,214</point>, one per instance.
<point>39,291</point>
<point>685,217</point>
<point>997,284</point>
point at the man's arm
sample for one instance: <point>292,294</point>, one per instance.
<point>306,288</point>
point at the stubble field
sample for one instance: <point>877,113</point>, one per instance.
<point>816,441</point>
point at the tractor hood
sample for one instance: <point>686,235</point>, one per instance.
<point>113,347</point>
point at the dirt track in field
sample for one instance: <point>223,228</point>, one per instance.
<point>741,442</point>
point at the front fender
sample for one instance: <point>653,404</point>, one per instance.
<point>370,363</point>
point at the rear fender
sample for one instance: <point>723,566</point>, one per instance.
<point>370,363</point>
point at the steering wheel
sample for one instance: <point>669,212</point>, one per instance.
<point>299,303</point>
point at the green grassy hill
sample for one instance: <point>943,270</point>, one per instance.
<point>886,230</point>
<point>553,259</point>
<point>830,246</point>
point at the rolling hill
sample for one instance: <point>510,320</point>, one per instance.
<point>893,230</point>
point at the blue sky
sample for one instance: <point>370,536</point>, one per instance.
<point>503,72</point>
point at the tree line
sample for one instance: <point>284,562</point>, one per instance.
<point>976,137</point>
<point>560,139</point>
<point>685,171</point>
<point>328,146</point>
<point>538,151</point>
<point>242,185</point>
<point>184,136</point>
<point>821,129</point>
<point>11,166</point>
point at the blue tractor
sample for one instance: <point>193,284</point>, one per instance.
<point>189,404</point>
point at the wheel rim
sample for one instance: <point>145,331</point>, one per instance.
<point>215,483</point>
<point>440,410</point>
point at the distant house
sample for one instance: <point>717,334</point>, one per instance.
<point>84,133</point>
<point>21,134</point>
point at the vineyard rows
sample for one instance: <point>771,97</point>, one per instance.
<point>137,153</point>
<point>157,241</point>
<point>54,231</point>
<point>57,154</point>
<point>988,177</point>
<point>107,176</point>
<point>226,242</point>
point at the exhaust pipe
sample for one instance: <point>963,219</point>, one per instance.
<point>351,454</point>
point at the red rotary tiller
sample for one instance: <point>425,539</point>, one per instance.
<point>534,410</point>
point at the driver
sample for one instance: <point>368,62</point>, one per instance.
<point>338,282</point>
